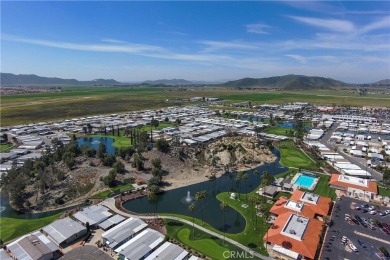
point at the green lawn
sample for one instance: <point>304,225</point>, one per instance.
<point>5,148</point>
<point>11,228</point>
<point>255,227</point>
<point>106,193</point>
<point>323,188</point>
<point>278,130</point>
<point>291,156</point>
<point>202,242</point>
<point>120,141</point>
<point>384,191</point>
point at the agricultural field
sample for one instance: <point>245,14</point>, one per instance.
<point>75,102</point>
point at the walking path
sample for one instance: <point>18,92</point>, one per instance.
<point>110,203</point>
<point>372,237</point>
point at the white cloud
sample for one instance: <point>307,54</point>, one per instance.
<point>258,28</point>
<point>121,47</point>
<point>335,25</point>
<point>212,46</point>
<point>383,23</point>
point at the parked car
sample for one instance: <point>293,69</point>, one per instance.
<point>387,211</point>
<point>373,212</point>
<point>365,205</point>
<point>364,224</point>
<point>347,215</point>
<point>364,210</point>
<point>358,208</point>
<point>352,246</point>
<point>386,231</point>
<point>358,218</point>
<point>384,224</point>
<point>361,243</point>
<point>383,213</point>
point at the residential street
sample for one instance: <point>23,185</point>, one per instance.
<point>325,140</point>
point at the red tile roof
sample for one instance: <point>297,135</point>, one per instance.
<point>306,247</point>
<point>372,185</point>
<point>309,209</point>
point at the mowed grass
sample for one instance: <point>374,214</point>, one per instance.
<point>384,191</point>
<point>323,188</point>
<point>5,148</point>
<point>75,102</point>
<point>11,228</point>
<point>278,130</point>
<point>291,156</point>
<point>106,193</point>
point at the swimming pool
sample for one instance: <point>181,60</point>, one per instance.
<point>305,181</point>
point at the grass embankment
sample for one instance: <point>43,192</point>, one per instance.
<point>202,242</point>
<point>5,148</point>
<point>11,228</point>
<point>106,193</point>
<point>291,156</point>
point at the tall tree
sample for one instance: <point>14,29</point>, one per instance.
<point>151,195</point>
<point>191,208</point>
<point>245,177</point>
<point>199,196</point>
<point>223,206</point>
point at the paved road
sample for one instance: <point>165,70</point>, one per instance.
<point>325,140</point>
<point>110,203</point>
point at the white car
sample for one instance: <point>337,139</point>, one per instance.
<point>387,212</point>
<point>371,208</point>
<point>373,212</point>
<point>353,247</point>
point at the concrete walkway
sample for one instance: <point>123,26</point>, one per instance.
<point>110,203</point>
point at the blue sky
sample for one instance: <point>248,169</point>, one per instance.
<point>210,41</point>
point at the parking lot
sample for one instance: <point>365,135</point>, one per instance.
<point>373,239</point>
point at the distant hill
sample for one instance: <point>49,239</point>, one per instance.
<point>9,79</point>
<point>383,82</point>
<point>172,82</point>
<point>288,82</point>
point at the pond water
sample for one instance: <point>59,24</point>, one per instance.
<point>291,125</point>
<point>174,201</point>
<point>95,141</point>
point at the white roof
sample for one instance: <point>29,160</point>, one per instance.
<point>168,251</point>
<point>93,215</point>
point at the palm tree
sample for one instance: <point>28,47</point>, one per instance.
<point>192,209</point>
<point>152,197</point>
<point>238,180</point>
<point>245,177</point>
<point>266,217</point>
<point>223,207</point>
<point>200,195</point>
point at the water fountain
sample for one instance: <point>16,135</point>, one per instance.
<point>188,199</point>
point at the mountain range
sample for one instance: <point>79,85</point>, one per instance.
<point>287,82</point>
<point>9,79</point>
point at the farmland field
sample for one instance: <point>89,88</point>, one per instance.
<point>86,101</point>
